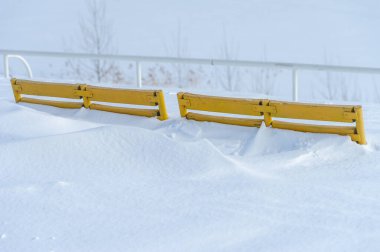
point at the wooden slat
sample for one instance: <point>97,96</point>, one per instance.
<point>313,111</point>
<point>225,120</point>
<point>47,89</point>
<point>59,104</point>
<point>126,96</point>
<point>238,106</point>
<point>361,139</point>
<point>340,130</point>
<point>130,111</point>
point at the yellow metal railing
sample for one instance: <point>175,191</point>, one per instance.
<point>268,110</point>
<point>250,107</point>
<point>89,95</point>
<point>262,110</point>
<point>317,112</point>
<point>35,88</point>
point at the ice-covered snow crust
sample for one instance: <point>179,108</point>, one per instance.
<point>80,180</point>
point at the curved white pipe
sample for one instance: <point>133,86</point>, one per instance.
<point>22,59</point>
<point>220,62</point>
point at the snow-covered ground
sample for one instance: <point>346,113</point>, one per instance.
<point>81,180</point>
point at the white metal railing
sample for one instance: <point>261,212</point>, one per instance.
<point>294,67</point>
<point>22,59</point>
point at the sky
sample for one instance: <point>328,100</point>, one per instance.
<point>311,31</point>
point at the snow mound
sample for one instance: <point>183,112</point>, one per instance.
<point>82,180</point>
<point>113,151</point>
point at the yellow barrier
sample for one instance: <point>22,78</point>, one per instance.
<point>249,107</point>
<point>46,89</point>
<point>275,109</point>
<point>317,112</point>
<point>89,95</point>
<point>125,96</point>
<point>265,109</point>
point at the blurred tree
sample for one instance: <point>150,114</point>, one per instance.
<point>95,38</point>
<point>230,76</point>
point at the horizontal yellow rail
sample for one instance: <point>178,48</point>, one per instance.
<point>221,104</point>
<point>89,95</point>
<point>126,96</point>
<point>93,94</point>
<point>226,120</point>
<point>329,113</point>
<point>313,111</point>
<point>58,104</point>
<point>275,109</point>
<point>237,106</point>
<point>120,110</point>
<point>340,130</point>
<point>44,89</point>
<point>265,109</point>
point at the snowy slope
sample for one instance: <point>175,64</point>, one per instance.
<point>81,180</point>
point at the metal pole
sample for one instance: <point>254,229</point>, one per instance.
<point>138,74</point>
<point>6,66</point>
<point>295,84</point>
<point>201,61</point>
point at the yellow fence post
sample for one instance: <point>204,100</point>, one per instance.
<point>86,99</point>
<point>267,115</point>
<point>360,125</point>
<point>182,106</point>
<point>163,114</point>
<point>16,90</point>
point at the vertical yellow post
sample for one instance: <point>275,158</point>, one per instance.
<point>267,115</point>
<point>182,107</point>
<point>16,90</point>
<point>360,125</point>
<point>161,106</point>
<point>86,100</point>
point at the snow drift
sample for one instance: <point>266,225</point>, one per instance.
<point>80,180</point>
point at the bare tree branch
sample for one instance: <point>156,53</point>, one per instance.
<point>95,37</point>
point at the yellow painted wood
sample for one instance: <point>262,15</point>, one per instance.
<point>267,115</point>
<point>187,101</point>
<point>360,125</point>
<point>47,89</point>
<point>340,130</point>
<point>120,110</point>
<point>275,109</point>
<point>356,138</point>
<point>16,90</point>
<point>83,92</point>
<point>182,106</point>
<point>318,112</point>
<point>238,106</point>
<point>225,120</point>
<point>163,114</point>
<point>58,104</point>
<point>126,96</point>
<point>85,97</point>
<point>92,93</point>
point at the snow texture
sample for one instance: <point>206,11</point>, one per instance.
<point>82,180</point>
